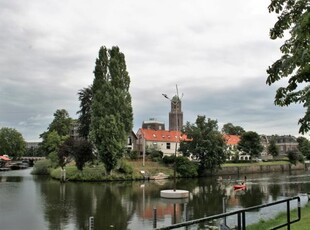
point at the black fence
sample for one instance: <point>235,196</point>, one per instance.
<point>240,217</point>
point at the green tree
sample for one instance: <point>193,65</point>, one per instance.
<point>207,144</point>
<point>294,17</point>
<point>85,98</point>
<point>12,142</point>
<point>79,149</point>
<point>250,144</point>
<point>62,123</point>
<point>185,167</point>
<point>273,149</point>
<point>304,146</point>
<point>230,129</point>
<point>57,132</point>
<point>294,156</point>
<point>111,118</point>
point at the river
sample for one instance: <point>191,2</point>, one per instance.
<point>30,202</point>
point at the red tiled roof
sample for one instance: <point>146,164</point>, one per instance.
<point>162,135</point>
<point>232,139</point>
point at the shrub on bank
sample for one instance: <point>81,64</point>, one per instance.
<point>185,167</point>
<point>42,167</point>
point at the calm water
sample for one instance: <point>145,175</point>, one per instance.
<point>36,203</point>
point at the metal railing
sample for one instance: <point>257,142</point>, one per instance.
<point>241,216</point>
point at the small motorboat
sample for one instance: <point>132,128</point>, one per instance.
<point>239,186</point>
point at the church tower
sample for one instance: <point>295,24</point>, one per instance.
<point>176,114</point>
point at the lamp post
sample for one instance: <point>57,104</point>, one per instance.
<point>176,103</point>
<point>174,193</point>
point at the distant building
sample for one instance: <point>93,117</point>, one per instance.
<point>74,130</point>
<point>33,145</point>
<point>176,114</point>
<point>153,124</point>
<point>232,143</point>
<point>161,140</point>
<point>286,143</point>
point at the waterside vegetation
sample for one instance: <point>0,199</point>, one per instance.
<point>303,224</point>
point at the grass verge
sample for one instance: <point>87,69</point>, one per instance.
<point>303,224</point>
<point>98,173</point>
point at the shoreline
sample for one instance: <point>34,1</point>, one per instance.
<point>246,169</point>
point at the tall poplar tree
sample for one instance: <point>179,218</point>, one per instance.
<point>111,110</point>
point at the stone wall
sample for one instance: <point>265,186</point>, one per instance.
<point>233,170</point>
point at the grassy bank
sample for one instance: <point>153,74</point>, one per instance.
<point>98,173</point>
<point>303,224</point>
<point>256,163</point>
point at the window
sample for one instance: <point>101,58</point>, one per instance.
<point>168,145</point>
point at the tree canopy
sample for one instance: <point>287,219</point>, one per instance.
<point>250,143</point>
<point>207,144</point>
<point>304,146</point>
<point>12,142</point>
<point>58,131</point>
<point>294,17</point>
<point>273,149</point>
<point>230,129</point>
<point>111,111</point>
<point>85,98</point>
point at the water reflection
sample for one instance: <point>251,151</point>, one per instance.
<point>130,205</point>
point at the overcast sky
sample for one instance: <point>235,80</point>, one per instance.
<point>217,52</point>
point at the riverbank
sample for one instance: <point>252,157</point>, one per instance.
<point>151,169</point>
<point>261,167</point>
<point>303,224</point>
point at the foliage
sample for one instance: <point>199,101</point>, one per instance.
<point>34,152</point>
<point>82,153</point>
<point>294,156</point>
<point>53,157</point>
<point>124,167</point>
<point>207,144</point>
<point>12,142</point>
<point>304,146</point>
<point>111,118</point>
<point>294,63</point>
<point>134,155</point>
<point>51,142</point>
<point>85,98</point>
<point>57,132</point>
<point>42,167</point>
<point>230,129</point>
<point>61,123</point>
<point>80,149</point>
<point>185,167</point>
<point>250,143</point>
<point>154,154</point>
<point>281,218</point>
<point>168,159</point>
<point>273,149</point>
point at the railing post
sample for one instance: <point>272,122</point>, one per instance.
<point>243,221</point>
<point>154,218</point>
<point>288,215</point>
<point>239,221</point>
<point>91,223</point>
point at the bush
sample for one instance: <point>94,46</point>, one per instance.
<point>185,167</point>
<point>168,160</point>
<point>53,157</point>
<point>134,155</point>
<point>124,167</point>
<point>42,167</point>
<point>156,155</point>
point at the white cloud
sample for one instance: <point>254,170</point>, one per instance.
<point>216,51</point>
